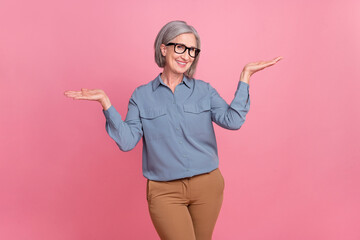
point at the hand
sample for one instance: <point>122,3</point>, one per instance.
<point>252,68</point>
<point>90,94</point>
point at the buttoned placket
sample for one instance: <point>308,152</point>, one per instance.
<point>178,129</point>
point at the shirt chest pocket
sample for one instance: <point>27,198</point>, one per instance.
<point>155,122</point>
<point>198,116</point>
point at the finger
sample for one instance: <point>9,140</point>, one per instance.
<point>73,92</point>
<point>266,64</point>
<point>260,63</point>
<point>269,64</point>
<point>74,95</point>
<point>70,92</point>
<point>277,59</point>
<point>272,62</point>
<point>82,98</point>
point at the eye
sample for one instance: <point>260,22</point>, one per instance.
<point>180,47</point>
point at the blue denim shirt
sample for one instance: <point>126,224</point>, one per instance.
<point>177,129</point>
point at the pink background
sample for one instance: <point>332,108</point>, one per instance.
<point>292,171</point>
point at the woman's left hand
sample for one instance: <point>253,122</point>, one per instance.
<point>252,68</point>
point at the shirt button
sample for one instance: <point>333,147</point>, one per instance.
<point>180,142</point>
<point>177,128</point>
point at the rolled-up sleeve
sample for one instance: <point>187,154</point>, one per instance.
<point>230,116</point>
<point>126,133</point>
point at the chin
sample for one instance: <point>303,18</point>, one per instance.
<point>182,70</point>
<point>179,71</point>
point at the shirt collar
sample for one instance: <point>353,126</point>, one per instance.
<point>188,82</point>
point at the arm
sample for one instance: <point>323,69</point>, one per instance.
<point>233,116</point>
<point>126,133</point>
<point>230,116</point>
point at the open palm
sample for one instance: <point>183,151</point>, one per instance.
<point>252,68</point>
<point>86,94</point>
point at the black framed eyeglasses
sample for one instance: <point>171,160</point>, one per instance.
<point>181,48</point>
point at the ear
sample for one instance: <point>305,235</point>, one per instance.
<point>163,49</point>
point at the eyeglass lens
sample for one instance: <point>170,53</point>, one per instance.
<point>180,48</point>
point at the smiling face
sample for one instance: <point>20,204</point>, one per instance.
<point>178,63</point>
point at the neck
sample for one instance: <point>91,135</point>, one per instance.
<point>171,78</point>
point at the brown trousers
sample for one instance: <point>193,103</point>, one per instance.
<point>186,209</point>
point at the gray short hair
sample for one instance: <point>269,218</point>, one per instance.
<point>170,31</point>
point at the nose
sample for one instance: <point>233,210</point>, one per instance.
<point>185,55</point>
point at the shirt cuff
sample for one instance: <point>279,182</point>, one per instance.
<point>111,113</point>
<point>242,86</point>
<point>241,99</point>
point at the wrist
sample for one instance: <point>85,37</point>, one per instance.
<point>105,103</point>
<point>245,77</point>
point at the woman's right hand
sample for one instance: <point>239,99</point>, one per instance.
<point>92,95</point>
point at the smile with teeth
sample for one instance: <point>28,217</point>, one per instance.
<point>181,63</point>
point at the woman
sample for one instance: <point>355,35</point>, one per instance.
<point>174,114</point>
